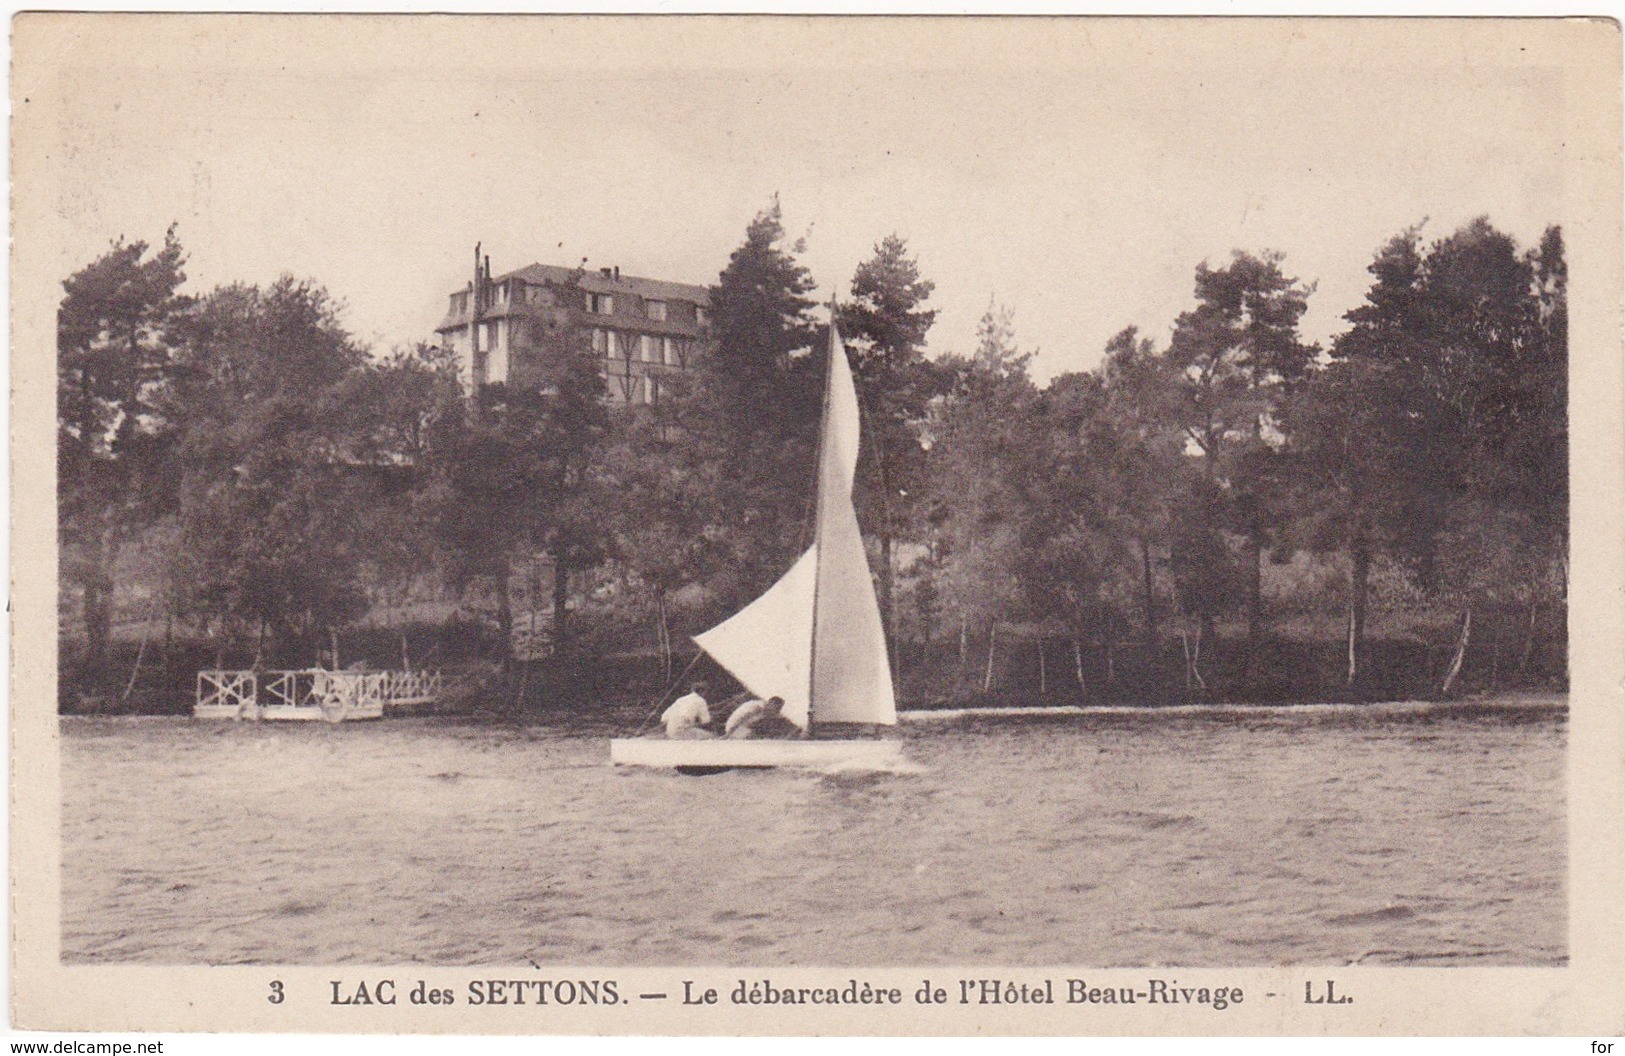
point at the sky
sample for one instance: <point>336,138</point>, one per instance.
<point>1075,172</point>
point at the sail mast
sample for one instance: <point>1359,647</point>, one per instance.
<point>818,512</point>
<point>822,612</point>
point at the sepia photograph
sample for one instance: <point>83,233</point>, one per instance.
<point>809,514</point>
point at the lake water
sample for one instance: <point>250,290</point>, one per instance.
<point>1324,835</point>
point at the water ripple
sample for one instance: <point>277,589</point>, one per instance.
<point>1209,838</point>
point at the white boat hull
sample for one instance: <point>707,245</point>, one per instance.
<point>758,754</point>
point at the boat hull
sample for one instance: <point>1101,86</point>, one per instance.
<point>710,756</point>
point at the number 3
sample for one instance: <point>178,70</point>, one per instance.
<point>276,992</point>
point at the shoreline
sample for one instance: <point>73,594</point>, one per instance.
<point>1501,702</point>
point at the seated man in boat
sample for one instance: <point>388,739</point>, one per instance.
<point>687,717</point>
<point>760,718</point>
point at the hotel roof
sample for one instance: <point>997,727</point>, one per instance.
<point>593,280</point>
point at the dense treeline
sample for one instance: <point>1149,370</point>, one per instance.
<point>1231,514</point>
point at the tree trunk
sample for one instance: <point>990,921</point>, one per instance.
<point>561,600</point>
<point>1451,675</point>
<point>1150,601</point>
<point>98,602</point>
<point>1185,640</point>
<point>169,645</point>
<point>1495,651</point>
<point>1077,663</point>
<point>1193,658</point>
<point>964,643</point>
<point>884,535</point>
<point>888,609</point>
<point>663,633</point>
<point>1359,582</point>
<point>987,675</point>
<point>533,598</point>
<point>1202,634</point>
<point>1529,635</point>
<point>887,616</point>
<point>135,671</point>
<point>504,611</point>
<point>1255,592</point>
<point>1043,680</point>
<point>519,686</point>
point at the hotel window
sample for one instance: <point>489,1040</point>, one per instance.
<point>602,344</point>
<point>657,310</point>
<point>651,392</point>
<point>702,317</point>
<point>648,348</point>
<point>600,304</point>
<point>669,351</point>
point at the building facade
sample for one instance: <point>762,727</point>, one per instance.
<point>642,330</point>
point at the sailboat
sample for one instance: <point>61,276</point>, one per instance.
<point>813,638</point>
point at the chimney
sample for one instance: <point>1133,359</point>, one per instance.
<point>476,365</point>
<point>617,273</point>
<point>607,272</point>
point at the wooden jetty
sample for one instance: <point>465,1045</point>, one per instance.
<point>313,694</point>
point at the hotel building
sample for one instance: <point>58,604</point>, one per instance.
<point>642,329</point>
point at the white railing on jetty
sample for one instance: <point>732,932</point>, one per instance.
<point>411,689</point>
<point>224,694</point>
<point>315,693</point>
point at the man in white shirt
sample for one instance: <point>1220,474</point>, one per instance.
<point>688,715</point>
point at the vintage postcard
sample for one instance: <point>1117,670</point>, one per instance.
<point>817,525</point>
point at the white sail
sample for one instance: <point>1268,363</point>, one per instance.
<point>851,676</point>
<point>815,637</point>
<point>767,645</point>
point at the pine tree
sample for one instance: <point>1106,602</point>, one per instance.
<point>114,349</point>
<point>757,407</point>
<point>1237,354</point>
<point>884,327</point>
